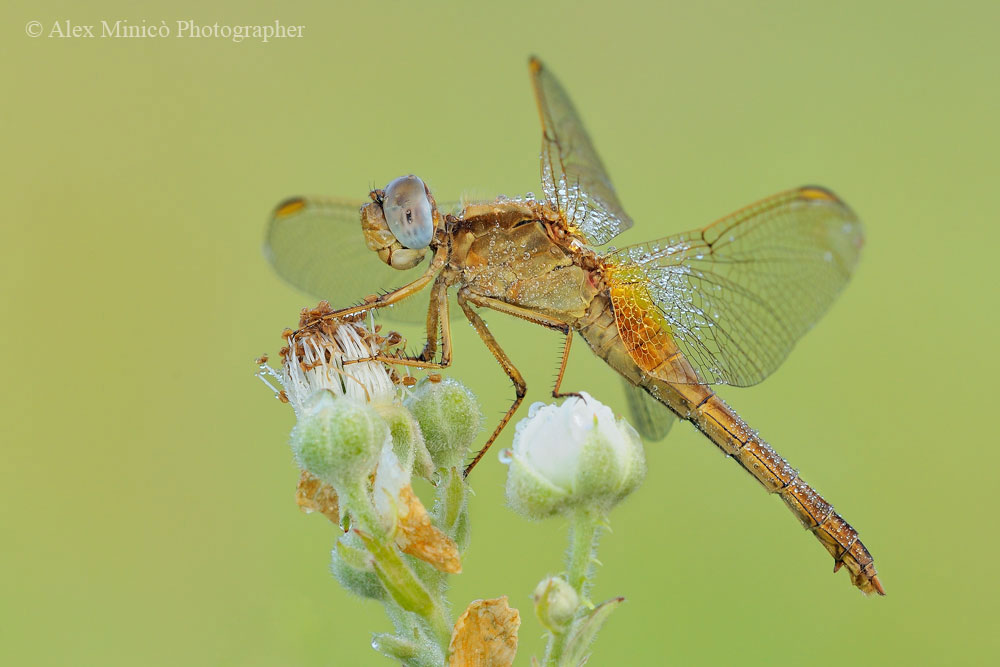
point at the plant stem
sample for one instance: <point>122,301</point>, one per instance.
<point>362,512</point>
<point>441,626</point>
<point>425,581</point>
<point>583,533</point>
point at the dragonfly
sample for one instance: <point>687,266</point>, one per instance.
<point>720,305</point>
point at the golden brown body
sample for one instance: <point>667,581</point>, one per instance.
<point>521,254</point>
<point>721,304</point>
<point>507,251</point>
<point>701,406</point>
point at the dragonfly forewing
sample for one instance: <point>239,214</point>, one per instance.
<point>573,177</point>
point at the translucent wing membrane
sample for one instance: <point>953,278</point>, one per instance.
<point>651,419</point>
<point>573,177</point>
<point>317,245</point>
<point>736,295</point>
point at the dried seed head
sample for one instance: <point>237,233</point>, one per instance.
<point>321,356</point>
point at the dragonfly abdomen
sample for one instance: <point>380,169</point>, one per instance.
<point>720,423</point>
<point>700,405</point>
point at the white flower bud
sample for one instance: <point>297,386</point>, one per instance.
<point>573,456</point>
<point>555,603</point>
<point>449,419</point>
<point>338,439</point>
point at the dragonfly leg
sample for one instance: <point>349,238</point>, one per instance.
<point>562,370</point>
<point>389,298</point>
<point>466,300</point>
<point>437,322</point>
<point>536,318</point>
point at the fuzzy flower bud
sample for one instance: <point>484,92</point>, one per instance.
<point>338,439</point>
<point>573,456</point>
<point>449,419</point>
<point>555,603</point>
<point>407,440</point>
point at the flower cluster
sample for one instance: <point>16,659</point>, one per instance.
<point>363,433</point>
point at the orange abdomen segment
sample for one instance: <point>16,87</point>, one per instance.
<point>626,335</point>
<point>726,429</point>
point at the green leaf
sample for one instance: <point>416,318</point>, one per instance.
<point>356,558</point>
<point>399,580</point>
<point>451,496</point>
<point>584,631</point>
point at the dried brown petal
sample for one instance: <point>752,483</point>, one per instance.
<point>418,537</point>
<point>485,635</point>
<point>312,495</point>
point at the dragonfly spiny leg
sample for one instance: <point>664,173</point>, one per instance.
<point>466,298</point>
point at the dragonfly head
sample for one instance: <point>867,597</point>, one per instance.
<point>399,224</point>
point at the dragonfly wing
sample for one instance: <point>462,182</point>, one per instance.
<point>316,244</point>
<point>573,177</point>
<point>735,296</point>
<point>651,419</point>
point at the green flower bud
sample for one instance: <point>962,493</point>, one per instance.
<point>555,603</point>
<point>573,456</point>
<point>338,439</point>
<point>395,647</point>
<point>407,440</point>
<point>449,418</point>
<point>353,568</point>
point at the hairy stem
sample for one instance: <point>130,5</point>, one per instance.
<point>584,531</point>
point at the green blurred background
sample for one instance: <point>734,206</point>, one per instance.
<point>145,484</point>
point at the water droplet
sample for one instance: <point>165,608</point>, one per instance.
<point>506,456</point>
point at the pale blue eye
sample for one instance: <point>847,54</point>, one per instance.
<point>408,212</point>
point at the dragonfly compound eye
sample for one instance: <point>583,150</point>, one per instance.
<point>408,212</point>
